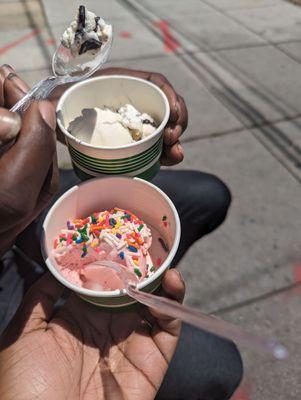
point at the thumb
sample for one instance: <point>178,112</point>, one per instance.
<point>10,125</point>
<point>174,288</point>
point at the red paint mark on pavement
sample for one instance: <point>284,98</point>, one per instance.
<point>171,44</point>
<point>51,42</point>
<point>297,274</point>
<point>296,292</point>
<point>125,35</point>
<point>242,393</point>
<point>17,42</point>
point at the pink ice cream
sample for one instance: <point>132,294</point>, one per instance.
<point>116,235</point>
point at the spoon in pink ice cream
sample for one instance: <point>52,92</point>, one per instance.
<point>194,317</point>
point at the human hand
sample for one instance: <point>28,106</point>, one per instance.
<point>172,149</point>
<point>81,352</point>
<point>28,166</point>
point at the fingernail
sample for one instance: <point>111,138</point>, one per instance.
<point>180,276</point>
<point>48,113</point>
<point>10,125</point>
<point>5,70</point>
<point>7,66</point>
<point>180,149</point>
<point>17,81</point>
<point>178,130</point>
<point>170,130</point>
<point>168,135</point>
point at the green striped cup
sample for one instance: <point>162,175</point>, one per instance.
<point>134,194</point>
<point>139,159</point>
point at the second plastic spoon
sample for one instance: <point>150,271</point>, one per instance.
<point>195,317</point>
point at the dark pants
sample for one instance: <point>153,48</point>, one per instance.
<point>204,366</point>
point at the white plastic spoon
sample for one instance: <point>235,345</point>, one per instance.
<point>195,317</point>
<point>66,69</point>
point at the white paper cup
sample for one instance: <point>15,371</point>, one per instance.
<point>136,159</point>
<point>136,195</point>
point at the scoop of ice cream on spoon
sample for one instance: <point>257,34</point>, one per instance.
<point>82,44</point>
<point>85,47</point>
<point>86,34</point>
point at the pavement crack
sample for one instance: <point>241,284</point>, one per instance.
<point>256,299</point>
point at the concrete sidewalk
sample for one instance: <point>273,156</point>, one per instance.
<point>237,64</point>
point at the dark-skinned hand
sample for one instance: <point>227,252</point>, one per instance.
<point>32,170</point>
<point>82,353</point>
<point>28,166</point>
<point>172,149</point>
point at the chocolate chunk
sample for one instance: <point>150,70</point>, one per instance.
<point>90,44</point>
<point>96,23</point>
<point>81,19</point>
<point>148,122</point>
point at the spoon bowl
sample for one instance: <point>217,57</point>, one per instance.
<point>64,63</point>
<point>66,69</point>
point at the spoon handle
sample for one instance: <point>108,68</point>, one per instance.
<point>39,91</point>
<point>194,317</point>
<point>208,323</point>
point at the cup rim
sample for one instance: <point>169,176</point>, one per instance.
<point>114,293</point>
<point>158,130</point>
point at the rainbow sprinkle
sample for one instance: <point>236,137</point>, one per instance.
<point>117,227</point>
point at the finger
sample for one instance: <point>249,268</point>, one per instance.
<point>173,285</point>
<point>174,288</point>
<point>182,113</point>
<point>173,131</point>
<point>27,163</point>
<point>38,305</point>
<point>14,89</point>
<point>172,154</point>
<point>10,125</point>
<point>172,134</point>
<point>5,70</point>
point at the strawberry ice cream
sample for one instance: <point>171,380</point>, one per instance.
<point>116,235</point>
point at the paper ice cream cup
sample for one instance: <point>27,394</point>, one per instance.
<point>139,159</point>
<point>136,195</point>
